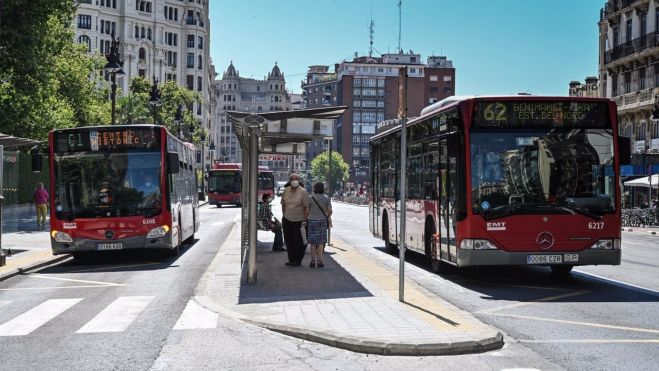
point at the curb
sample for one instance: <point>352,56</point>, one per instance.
<point>33,266</point>
<point>363,345</point>
<point>474,343</point>
<point>654,233</point>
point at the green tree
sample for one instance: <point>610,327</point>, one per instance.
<point>46,80</point>
<point>321,172</point>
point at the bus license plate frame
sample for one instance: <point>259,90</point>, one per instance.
<point>109,246</point>
<point>544,259</point>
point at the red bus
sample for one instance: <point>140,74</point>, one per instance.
<point>511,180</point>
<point>121,187</point>
<point>225,181</point>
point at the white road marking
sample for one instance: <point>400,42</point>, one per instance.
<point>579,323</point>
<point>613,282</point>
<point>117,316</point>
<point>595,341</point>
<point>217,224</point>
<point>36,317</point>
<point>195,316</point>
<point>37,275</point>
<point>542,300</point>
<point>57,287</point>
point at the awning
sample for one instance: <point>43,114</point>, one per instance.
<point>644,182</point>
<point>9,141</point>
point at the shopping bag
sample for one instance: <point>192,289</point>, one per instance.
<point>303,232</point>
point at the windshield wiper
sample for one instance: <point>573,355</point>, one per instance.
<point>582,211</point>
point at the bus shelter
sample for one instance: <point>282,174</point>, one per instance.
<point>281,132</point>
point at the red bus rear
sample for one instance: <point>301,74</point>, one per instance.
<point>225,184</point>
<point>512,180</point>
<point>121,187</point>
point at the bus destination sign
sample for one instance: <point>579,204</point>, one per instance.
<point>541,114</point>
<point>106,139</point>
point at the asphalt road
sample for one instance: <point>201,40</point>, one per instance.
<point>113,312</point>
<point>602,317</point>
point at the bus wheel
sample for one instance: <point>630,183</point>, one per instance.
<point>435,264</point>
<point>561,269</point>
<point>388,246</point>
<point>218,205</point>
<point>80,257</point>
<point>177,249</point>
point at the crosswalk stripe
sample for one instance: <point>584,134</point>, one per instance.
<point>195,316</point>
<point>117,316</point>
<point>36,317</point>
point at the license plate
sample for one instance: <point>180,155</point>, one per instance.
<point>110,246</point>
<point>571,258</point>
<point>544,259</point>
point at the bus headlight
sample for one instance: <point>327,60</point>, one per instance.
<point>471,244</point>
<point>603,245</point>
<point>61,237</point>
<point>158,232</point>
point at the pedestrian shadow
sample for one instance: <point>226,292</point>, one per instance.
<point>277,282</point>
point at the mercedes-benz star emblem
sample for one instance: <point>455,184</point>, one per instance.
<point>109,235</point>
<point>545,240</point>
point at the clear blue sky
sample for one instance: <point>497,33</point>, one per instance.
<point>497,46</point>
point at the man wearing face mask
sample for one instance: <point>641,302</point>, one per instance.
<point>270,222</point>
<point>295,207</point>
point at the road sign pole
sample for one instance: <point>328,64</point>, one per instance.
<point>403,190</point>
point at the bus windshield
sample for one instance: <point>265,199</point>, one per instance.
<point>266,181</point>
<point>224,182</point>
<point>542,171</point>
<point>107,184</point>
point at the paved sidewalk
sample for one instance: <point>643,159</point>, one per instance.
<point>352,303</point>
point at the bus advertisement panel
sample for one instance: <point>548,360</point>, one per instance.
<point>225,184</point>
<point>505,181</point>
<point>121,187</point>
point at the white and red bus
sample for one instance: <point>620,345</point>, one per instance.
<point>121,187</point>
<point>510,180</point>
<point>225,181</point>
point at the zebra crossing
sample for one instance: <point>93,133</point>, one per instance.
<point>114,318</point>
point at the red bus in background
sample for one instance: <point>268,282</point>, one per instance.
<point>121,187</point>
<point>225,184</point>
<point>511,180</point>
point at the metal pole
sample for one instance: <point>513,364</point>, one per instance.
<point>244,189</point>
<point>329,185</point>
<point>2,176</point>
<point>113,95</point>
<point>403,190</point>
<point>253,200</point>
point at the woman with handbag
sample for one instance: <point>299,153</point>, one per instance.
<point>320,211</point>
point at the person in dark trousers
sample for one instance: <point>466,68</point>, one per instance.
<point>268,221</point>
<point>320,212</point>
<point>295,207</point>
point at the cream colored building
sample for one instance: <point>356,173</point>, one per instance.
<point>589,89</point>
<point>629,67</point>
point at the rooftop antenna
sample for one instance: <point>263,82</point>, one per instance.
<point>400,12</point>
<point>371,33</point>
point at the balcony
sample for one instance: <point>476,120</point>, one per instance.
<point>612,7</point>
<point>638,45</point>
<point>637,101</point>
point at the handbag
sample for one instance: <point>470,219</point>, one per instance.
<point>322,209</point>
<point>303,232</point>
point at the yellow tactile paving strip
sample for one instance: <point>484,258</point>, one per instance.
<point>29,258</point>
<point>442,317</point>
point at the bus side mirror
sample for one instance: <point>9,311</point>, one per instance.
<point>624,150</point>
<point>37,162</point>
<point>172,163</point>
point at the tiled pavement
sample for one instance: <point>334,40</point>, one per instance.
<point>352,303</point>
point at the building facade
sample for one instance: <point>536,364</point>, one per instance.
<point>235,93</point>
<point>369,87</point>
<point>166,39</point>
<point>589,89</point>
<point>629,67</point>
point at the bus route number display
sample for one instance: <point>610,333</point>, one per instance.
<point>541,114</point>
<point>106,139</point>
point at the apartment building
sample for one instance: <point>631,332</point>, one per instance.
<point>588,89</point>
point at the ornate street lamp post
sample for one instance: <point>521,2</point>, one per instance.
<point>178,120</point>
<point>113,67</point>
<point>154,98</point>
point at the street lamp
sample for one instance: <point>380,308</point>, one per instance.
<point>178,119</point>
<point>113,67</point>
<point>154,98</point>
<point>211,149</point>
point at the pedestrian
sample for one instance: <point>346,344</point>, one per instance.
<point>41,203</point>
<point>320,212</point>
<point>268,221</point>
<point>295,207</point>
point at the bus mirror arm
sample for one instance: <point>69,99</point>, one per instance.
<point>624,150</point>
<point>172,163</point>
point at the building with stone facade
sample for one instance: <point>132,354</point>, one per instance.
<point>236,93</point>
<point>168,39</point>
<point>629,67</point>
<point>589,89</point>
<point>369,87</point>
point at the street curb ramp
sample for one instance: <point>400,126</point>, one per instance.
<point>33,266</point>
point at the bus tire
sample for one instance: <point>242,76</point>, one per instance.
<point>177,249</point>
<point>80,257</point>
<point>218,205</point>
<point>435,263</point>
<point>388,246</point>
<point>561,269</point>
<point>190,239</point>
